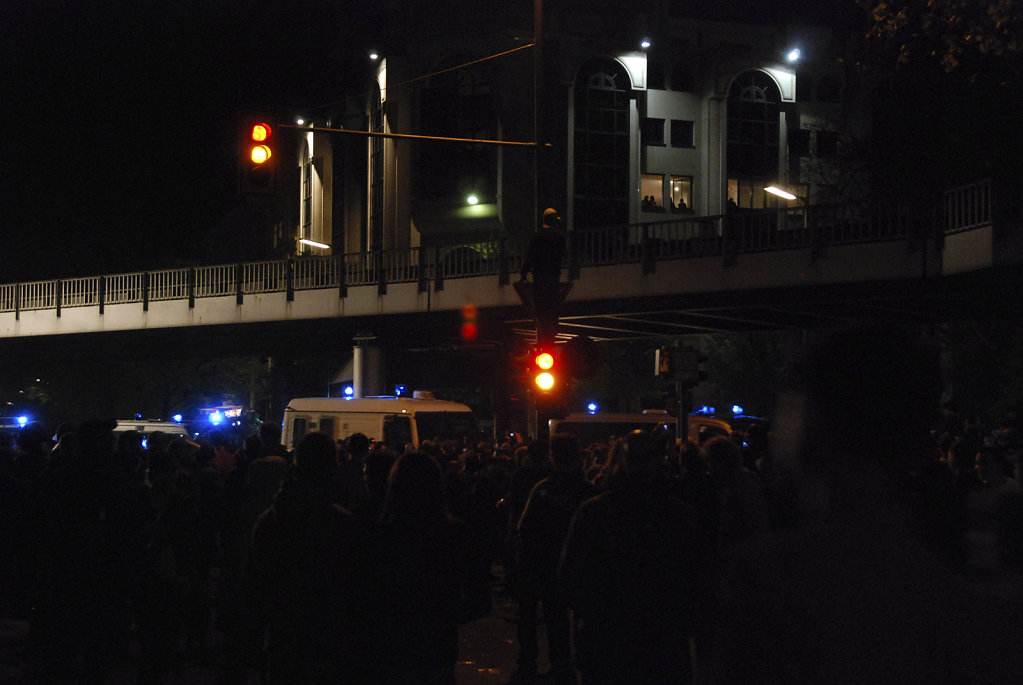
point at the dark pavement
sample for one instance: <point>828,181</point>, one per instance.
<point>487,651</point>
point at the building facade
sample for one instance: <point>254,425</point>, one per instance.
<point>642,117</point>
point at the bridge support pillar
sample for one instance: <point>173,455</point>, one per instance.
<point>367,366</point>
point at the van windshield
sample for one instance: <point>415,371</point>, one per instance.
<point>446,425</point>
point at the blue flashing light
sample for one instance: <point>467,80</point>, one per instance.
<point>349,391</point>
<point>177,418</point>
<point>22,420</point>
<point>216,418</point>
<point>592,407</point>
<point>704,409</point>
<point>736,410</point>
<point>400,390</point>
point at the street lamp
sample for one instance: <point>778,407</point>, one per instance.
<point>785,194</point>
<point>781,192</point>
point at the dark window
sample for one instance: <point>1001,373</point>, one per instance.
<point>827,143</point>
<point>655,75</point>
<point>683,133</point>
<point>446,425</point>
<point>682,79</point>
<point>397,432</point>
<point>601,137</point>
<point>799,143</point>
<point>458,104</point>
<point>829,89</point>
<point>375,236</point>
<point>298,430</point>
<point>653,131</point>
<point>327,425</point>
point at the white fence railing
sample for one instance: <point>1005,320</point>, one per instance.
<point>962,209</point>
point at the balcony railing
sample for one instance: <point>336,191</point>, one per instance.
<point>726,236</point>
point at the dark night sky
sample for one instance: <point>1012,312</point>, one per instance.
<point>119,119</point>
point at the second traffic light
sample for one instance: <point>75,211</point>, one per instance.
<point>257,158</point>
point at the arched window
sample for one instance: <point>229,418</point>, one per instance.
<point>601,164</point>
<point>752,148</point>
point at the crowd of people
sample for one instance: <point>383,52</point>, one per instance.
<point>645,560</point>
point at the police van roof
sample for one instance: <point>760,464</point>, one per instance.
<point>375,405</point>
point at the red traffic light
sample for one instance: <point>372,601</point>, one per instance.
<point>545,376</point>
<point>261,132</point>
<point>257,172</point>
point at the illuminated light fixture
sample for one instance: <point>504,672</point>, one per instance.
<point>793,55</point>
<point>472,200</point>
<point>260,132</point>
<point>645,43</point>
<point>545,381</point>
<point>774,190</point>
<point>374,55</point>
<point>260,154</point>
<point>313,243</point>
<point>300,121</point>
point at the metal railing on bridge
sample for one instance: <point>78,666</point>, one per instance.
<point>726,236</point>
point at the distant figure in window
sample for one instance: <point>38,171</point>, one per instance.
<point>682,204</point>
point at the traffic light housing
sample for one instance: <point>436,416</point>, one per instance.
<point>258,154</point>
<point>548,380</point>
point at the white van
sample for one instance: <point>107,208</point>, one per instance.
<point>395,421</point>
<point>147,426</point>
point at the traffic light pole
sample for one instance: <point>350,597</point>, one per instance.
<point>685,406</point>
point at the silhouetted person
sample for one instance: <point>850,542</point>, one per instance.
<point>542,530</point>
<point>543,259</point>
<point>421,565</point>
<point>743,514</point>
<point>302,574</point>
<point>352,487</point>
<point>631,569</point>
<point>81,617</point>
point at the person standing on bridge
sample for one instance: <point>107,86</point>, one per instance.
<point>543,258</point>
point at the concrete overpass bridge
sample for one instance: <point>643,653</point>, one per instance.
<point>802,267</point>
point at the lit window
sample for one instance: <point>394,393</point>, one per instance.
<point>681,192</point>
<point>652,190</point>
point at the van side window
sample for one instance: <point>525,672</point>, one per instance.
<point>397,432</point>
<point>298,430</point>
<point>327,426</point>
